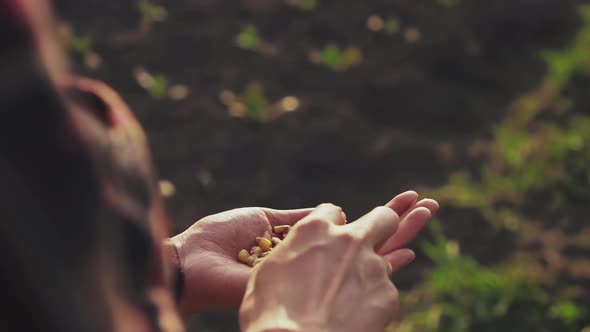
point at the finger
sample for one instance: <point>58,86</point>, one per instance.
<point>286,217</point>
<point>377,225</point>
<point>326,212</point>
<point>407,231</point>
<point>400,258</point>
<point>402,202</point>
<point>428,203</point>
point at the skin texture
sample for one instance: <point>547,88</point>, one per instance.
<point>346,283</point>
<point>207,250</point>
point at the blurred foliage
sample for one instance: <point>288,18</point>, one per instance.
<point>151,13</point>
<point>564,64</point>
<point>80,44</point>
<point>448,3</point>
<point>250,39</point>
<point>338,59</point>
<point>392,26</point>
<point>538,156</point>
<point>465,296</point>
<point>256,105</point>
<point>530,154</point>
<point>303,4</point>
<point>156,85</point>
<point>252,104</point>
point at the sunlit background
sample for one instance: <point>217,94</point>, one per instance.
<point>484,104</point>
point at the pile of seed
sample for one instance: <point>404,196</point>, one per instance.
<point>265,244</point>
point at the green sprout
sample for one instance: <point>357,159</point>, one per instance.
<point>392,26</point>
<point>159,87</point>
<point>151,13</point>
<point>156,85</point>
<point>339,60</point>
<point>249,38</point>
<point>80,44</point>
<point>256,104</point>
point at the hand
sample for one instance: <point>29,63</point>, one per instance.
<point>207,250</point>
<point>325,276</point>
<point>414,216</point>
<point>213,278</point>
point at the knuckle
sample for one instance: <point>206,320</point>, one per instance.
<point>349,239</point>
<point>313,224</point>
<point>375,267</point>
<point>391,296</point>
<point>385,212</point>
<point>330,206</point>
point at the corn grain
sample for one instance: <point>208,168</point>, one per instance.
<point>264,243</point>
<point>243,256</point>
<point>256,250</point>
<point>280,229</point>
<point>251,260</point>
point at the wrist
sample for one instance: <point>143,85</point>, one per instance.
<point>275,320</point>
<point>177,274</point>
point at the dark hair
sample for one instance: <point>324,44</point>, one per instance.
<point>59,237</point>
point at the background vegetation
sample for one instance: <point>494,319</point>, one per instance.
<point>483,104</point>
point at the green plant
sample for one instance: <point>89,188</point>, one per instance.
<point>159,86</point>
<point>256,105</point>
<point>150,12</point>
<point>464,296</point>
<point>564,64</point>
<point>155,84</point>
<point>80,44</point>
<point>392,26</point>
<point>304,4</point>
<point>336,59</point>
<point>530,156</point>
<point>250,39</point>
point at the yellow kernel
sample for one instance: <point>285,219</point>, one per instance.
<point>256,251</point>
<point>243,256</point>
<point>281,229</point>
<point>251,260</point>
<point>264,243</point>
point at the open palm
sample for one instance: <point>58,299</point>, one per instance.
<point>214,279</point>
